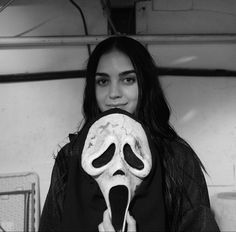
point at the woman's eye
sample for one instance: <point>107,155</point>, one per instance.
<point>129,80</point>
<point>102,82</point>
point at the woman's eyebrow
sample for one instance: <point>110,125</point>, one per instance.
<point>127,72</point>
<point>101,74</point>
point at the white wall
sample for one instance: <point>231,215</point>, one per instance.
<point>35,117</point>
<point>186,17</point>
<point>204,114</point>
<point>51,18</point>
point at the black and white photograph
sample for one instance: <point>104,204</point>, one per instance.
<point>118,116</point>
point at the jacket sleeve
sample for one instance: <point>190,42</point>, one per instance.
<point>197,214</point>
<point>52,209</point>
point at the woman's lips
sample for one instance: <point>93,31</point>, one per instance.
<point>116,105</point>
<point>122,107</point>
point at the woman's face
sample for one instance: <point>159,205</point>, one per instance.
<point>116,82</point>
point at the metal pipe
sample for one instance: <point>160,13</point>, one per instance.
<point>13,42</point>
<point>162,71</point>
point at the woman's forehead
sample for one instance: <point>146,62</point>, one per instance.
<point>114,60</point>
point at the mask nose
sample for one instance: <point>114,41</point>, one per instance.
<point>119,172</point>
<point>117,165</point>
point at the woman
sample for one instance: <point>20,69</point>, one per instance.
<point>122,74</point>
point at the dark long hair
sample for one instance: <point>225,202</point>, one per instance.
<point>153,110</point>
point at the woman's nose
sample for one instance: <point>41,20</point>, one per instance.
<point>115,91</point>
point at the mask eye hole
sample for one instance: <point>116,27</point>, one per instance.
<point>131,158</point>
<point>104,158</point>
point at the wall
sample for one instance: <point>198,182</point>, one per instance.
<point>204,114</point>
<point>186,17</point>
<point>35,117</point>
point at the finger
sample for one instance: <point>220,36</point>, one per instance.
<point>107,222</point>
<point>131,223</point>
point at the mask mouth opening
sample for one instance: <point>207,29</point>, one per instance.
<point>119,203</point>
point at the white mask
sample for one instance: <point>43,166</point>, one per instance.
<point>116,154</point>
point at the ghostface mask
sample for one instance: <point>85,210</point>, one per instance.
<point>116,154</point>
